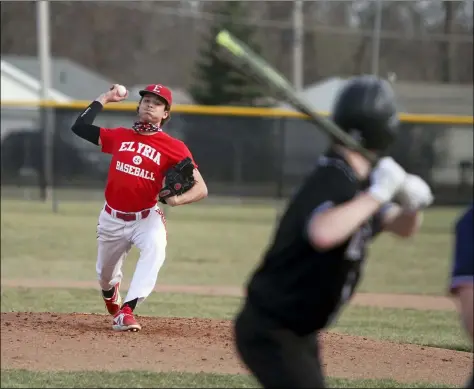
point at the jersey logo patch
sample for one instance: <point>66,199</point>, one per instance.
<point>137,160</point>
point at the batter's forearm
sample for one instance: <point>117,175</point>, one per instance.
<point>330,227</point>
<point>401,222</point>
<point>83,126</point>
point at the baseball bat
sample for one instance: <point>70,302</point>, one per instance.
<point>252,65</point>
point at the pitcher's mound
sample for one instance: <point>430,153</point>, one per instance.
<point>49,341</point>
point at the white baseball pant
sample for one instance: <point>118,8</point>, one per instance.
<point>115,238</point>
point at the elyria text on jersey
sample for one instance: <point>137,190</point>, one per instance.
<point>148,167</point>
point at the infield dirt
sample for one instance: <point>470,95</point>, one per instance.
<point>72,342</point>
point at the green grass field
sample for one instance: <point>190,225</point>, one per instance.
<point>213,245</point>
<point>136,379</point>
<point>208,245</point>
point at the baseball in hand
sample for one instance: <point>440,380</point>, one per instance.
<point>121,90</point>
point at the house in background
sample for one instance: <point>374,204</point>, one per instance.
<point>413,97</point>
<point>21,82</point>
<point>69,80</point>
<point>21,124</point>
<point>17,85</point>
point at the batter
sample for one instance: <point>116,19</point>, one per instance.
<point>316,259</point>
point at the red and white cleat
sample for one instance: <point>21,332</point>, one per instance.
<point>125,321</point>
<point>113,304</point>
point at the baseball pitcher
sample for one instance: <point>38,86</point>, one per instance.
<point>147,165</point>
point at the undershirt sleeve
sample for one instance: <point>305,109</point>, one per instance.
<point>83,126</point>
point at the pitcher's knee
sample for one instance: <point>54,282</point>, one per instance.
<point>105,283</point>
<point>107,280</point>
<point>153,254</point>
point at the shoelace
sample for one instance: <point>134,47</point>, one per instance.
<point>147,127</point>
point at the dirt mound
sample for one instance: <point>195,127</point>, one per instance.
<point>48,341</point>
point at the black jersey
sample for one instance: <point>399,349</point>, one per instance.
<point>299,286</point>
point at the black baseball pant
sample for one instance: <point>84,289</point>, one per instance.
<point>277,357</point>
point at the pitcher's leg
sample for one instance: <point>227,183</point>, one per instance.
<point>150,239</point>
<point>110,258</point>
<point>113,247</point>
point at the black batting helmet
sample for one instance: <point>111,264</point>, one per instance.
<point>366,109</point>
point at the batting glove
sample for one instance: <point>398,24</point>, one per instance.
<point>415,194</point>
<point>387,178</point>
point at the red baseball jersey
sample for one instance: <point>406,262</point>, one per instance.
<point>139,163</point>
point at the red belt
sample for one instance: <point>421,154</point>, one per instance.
<point>128,217</point>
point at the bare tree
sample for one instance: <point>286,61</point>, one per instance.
<point>136,42</point>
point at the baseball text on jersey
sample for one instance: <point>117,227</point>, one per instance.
<point>135,171</point>
<point>139,149</point>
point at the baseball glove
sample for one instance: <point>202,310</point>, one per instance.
<point>178,180</point>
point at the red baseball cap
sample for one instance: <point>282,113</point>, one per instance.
<point>158,90</point>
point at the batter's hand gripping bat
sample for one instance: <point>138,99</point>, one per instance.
<point>251,64</point>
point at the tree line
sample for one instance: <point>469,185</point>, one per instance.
<point>172,42</point>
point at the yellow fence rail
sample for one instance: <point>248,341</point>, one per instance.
<point>234,111</point>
